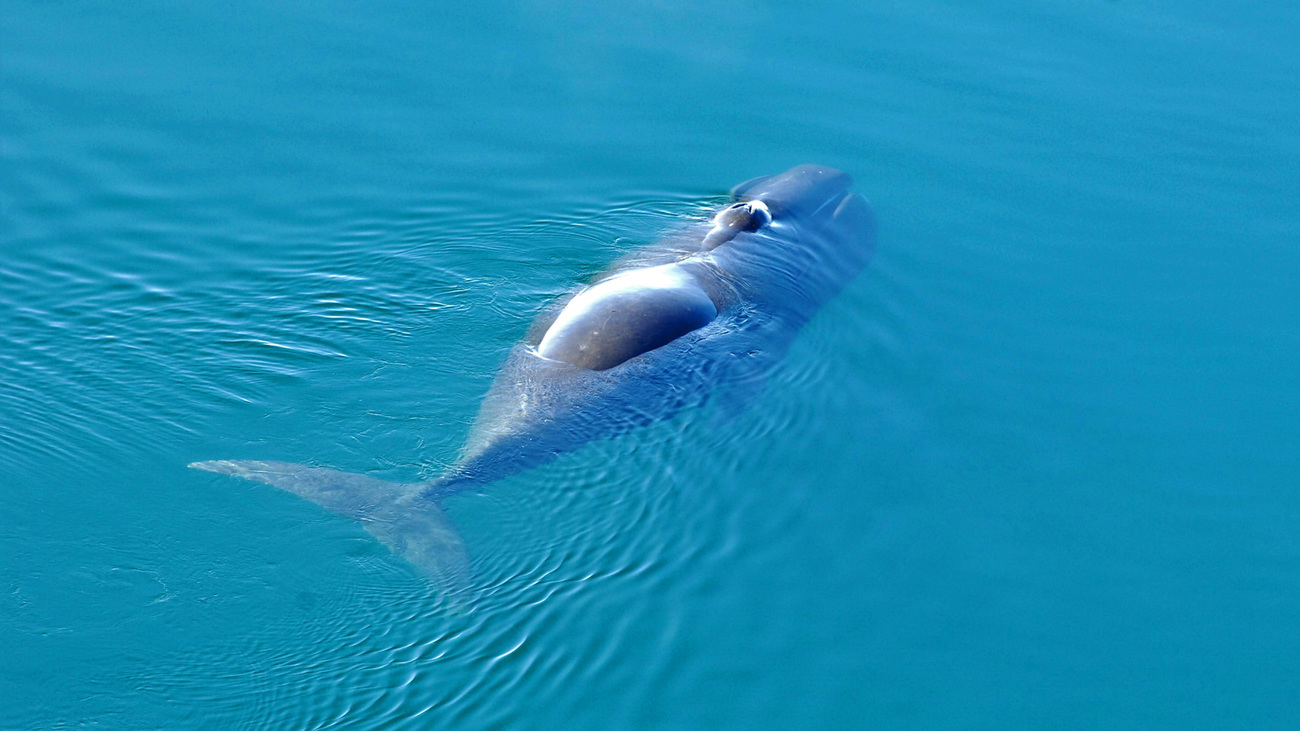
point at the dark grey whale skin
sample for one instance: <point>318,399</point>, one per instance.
<point>765,285</point>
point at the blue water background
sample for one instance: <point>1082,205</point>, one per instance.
<point>1036,467</point>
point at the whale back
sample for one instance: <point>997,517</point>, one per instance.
<point>626,315</point>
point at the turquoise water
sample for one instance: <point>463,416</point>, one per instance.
<point>1036,467</point>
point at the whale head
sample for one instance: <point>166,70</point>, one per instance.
<point>802,192</point>
<point>802,234</point>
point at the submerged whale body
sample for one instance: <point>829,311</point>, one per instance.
<point>708,308</point>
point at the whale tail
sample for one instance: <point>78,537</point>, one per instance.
<point>404,517</point>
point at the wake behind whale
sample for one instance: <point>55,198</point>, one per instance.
<point>708,309</point>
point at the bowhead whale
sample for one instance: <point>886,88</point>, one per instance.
<point>708,309</point>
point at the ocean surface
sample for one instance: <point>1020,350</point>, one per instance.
<point>1037,467</point>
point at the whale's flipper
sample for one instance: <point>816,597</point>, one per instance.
<point>410,525</point>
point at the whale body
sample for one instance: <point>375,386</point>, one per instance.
<point>708,309</point>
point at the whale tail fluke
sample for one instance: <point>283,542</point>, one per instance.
<point>401,516</point>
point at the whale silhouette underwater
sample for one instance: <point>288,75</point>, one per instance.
<point>710,308</point>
